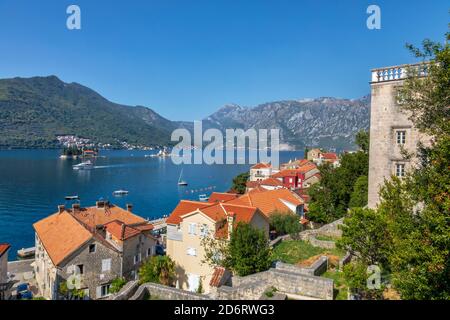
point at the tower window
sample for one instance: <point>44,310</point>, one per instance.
<point>400,170</point>
<point>401,137</point>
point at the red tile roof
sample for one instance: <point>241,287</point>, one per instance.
<point>294,172</point>
<point>262,166</point>
<point>93,216</point>
<point>269,201</point>
<point>217,276</point>
<point>266,182</point>
<point>121,231</point>
<point>63,233</point>
<point>221,197</point>
<point>3,248</point>
<point>295,164</point>
<point>285,173</point>
<point>330,156</point>
<point>184,207</point>
<point>271,182</point>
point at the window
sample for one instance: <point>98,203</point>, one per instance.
<point>204,230</point>
<point>401,137</point>
<point>192,227</point>
<point>92,248</point>
<point>80,268</point>
<point>400,170</point>
<point>137,258</point>
<point>149,252</point>
<point>191,252</point>
<point>106,265</point>
<point>103,291</point>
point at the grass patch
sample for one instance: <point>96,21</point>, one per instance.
<point>294,251</point>
<point>340,286</point>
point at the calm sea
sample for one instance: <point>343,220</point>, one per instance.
<point>34,182</point>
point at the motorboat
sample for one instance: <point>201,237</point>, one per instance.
<point>120,192</point>
<point>69,198</point>
<point>86,165</point>
<point>203,197</point>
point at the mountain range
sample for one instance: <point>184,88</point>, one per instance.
<point>33,111</point>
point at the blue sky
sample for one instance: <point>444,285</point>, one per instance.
<point>185,59</point>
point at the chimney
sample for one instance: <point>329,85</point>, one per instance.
<point>230,220</point>
<point>129,207</point>
<point>76,207</point>
<point>61,208</point>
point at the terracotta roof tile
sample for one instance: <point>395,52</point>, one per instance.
<point>121,231</point>
<point>61,234</point>
<point>217,276</point>
<point>93,216</point>
<point>269,201</point>
<point>184,207</point>
<point>262,166</point>
<point>3,248</point>
<point>330,156</point>
<point>221,197</point>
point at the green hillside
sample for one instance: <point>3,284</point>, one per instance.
<point>33,111</point>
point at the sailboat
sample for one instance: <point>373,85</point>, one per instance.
<point>181,182</point>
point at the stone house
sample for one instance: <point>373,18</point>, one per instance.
<point>390,130</point>
<point>313,154</point>
<point>92,245</point>
<point>4,285</point>
<point>190,222</point>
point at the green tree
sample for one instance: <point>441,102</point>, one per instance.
<point>358,198</point>
<point>70,294</point>
<point>157,269</point>
<point>117,284</point>
<point>355,275</point>
<point>239,182</point>
<point>285,223</point>
<point>365,236</point>
<point>249,250</point>
<point>362,140</point>
<point>330,197</point>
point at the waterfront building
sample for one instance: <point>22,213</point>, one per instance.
<point>190,222</point>
<point>261,171</point>
<point>95,245</point>
<point>302,177</point>
<point>391,131</point>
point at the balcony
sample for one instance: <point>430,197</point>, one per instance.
<point>399,72</point>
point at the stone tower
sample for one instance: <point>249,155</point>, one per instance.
<point>390,129</point>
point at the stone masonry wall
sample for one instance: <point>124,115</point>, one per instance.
<point>284,280</point>
<point>166,293</point>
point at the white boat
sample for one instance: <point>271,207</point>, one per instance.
<point>72,197</point>
<point>161,153</point>
<point>26,253</point>
<point>120,192</point>
<point>203,197</point>
<point>181,182</point>
<point>86,165</point>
